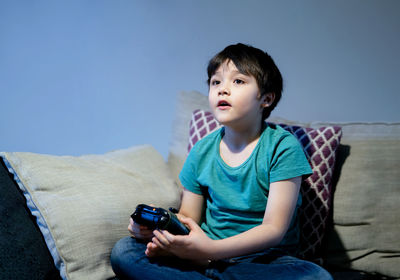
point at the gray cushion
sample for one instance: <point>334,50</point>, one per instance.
<point>366,208</point>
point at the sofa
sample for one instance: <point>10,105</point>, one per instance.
<point>61,215</point>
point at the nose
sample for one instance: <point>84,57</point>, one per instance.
<point>224,89</point>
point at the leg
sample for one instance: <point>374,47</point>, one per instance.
<point>268,266</point>
<point>129,262</point>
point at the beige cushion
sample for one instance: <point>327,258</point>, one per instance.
<point>186,103</point>
<point>366,207</point>
<point>83,204</point>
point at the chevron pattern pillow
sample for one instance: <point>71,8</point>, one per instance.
<point>320,146</point>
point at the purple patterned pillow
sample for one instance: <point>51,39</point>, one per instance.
<point>320,146</point>
<point>201,124</point>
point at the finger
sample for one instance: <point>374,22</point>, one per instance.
<point>142,236</point>
<point>151,246</point>
<point>165,238</point>
<point>140,233</point>
<point>150,249</point>
<point>190,223</point>
<point>161,238</point>
<point>139,229</point>
<point>139,226</point>
<point>158,243</point>
<point>142,227</point>
<point>169,237</point>
<point>180,216</point>
<point>185,219</point>
<point>146,232</point>
<point>134,225</point>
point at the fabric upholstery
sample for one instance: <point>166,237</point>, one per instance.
<point>366,209</point>
<point>82,204</point>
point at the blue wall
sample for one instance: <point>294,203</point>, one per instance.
<point>81,77</point>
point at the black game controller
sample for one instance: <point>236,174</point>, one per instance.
<point>159,218</point>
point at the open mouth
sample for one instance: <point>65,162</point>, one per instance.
<point>223,104</point>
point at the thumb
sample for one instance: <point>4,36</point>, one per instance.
<point>189,222</point>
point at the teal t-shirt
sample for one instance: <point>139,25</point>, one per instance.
<point>236,197</point>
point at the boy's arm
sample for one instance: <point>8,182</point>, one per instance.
<point>191,205</point>
<point>278,214</point>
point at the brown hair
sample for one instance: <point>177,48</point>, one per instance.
<point>252,61</point>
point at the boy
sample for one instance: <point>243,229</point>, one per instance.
<point>241,189</point>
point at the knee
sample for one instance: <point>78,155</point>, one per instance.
<point>123,251</point>
<point>317,272</point>
<point>118,252</point>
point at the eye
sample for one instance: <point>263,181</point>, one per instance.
<point>214,82</point>
<point>238,81</point>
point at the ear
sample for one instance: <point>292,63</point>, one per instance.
<point>268,99</point>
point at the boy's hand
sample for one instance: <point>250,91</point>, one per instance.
<point>139,231</point>
<point>153,250</point>
<point>195,246</point>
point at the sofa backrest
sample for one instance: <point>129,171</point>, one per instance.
<point>186,103</point>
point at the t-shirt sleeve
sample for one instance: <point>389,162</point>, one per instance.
<point>288,160</point>
<point>188,174</point>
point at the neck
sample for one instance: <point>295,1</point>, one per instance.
<point>238,139</point>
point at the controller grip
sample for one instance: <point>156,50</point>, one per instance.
<point>175,226</point>
<point>159,218</point>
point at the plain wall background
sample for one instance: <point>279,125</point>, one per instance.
<point>80,77</point>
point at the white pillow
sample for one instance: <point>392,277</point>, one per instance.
<point>82,204</point>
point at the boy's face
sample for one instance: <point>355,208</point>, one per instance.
<point>235,97</point>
